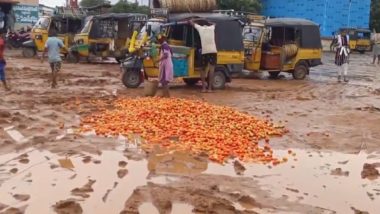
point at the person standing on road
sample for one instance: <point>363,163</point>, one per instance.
<point>376,49</point>
<point>342,55</point>
<point>208,50</point>
<point>2,63</point>
<point>52,47</point>
<point>166,66</point>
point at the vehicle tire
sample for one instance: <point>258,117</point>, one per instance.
<point>362,52</point>
<point>274,74</point>
<point>28,52</point>
<point>120,59</point>
<point>72,57</point>
<point>131,79</point>
<point>17,45</point>
<point>219,80</point>
<point>300,71</point>
<point>191,82</point>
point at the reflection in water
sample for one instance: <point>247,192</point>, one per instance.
<point>148,208</point>
<point>57,182</point>
<point>306,178</point>
<point>176,163</point>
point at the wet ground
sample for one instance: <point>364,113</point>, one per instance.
<point>46,167</point>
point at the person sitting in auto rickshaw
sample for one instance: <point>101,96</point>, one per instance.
<point>208,50</point>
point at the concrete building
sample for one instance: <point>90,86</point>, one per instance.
<point>45,10</point>
<point>330,14</point>
<point>26,13</point>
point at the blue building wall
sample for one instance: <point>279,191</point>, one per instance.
<point>330,14</point>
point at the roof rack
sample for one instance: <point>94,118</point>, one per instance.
<point>246,17</point>
<point>159,13</point>
<point>69,12</point>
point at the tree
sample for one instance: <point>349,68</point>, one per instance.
<point>253,6</point>
<point>375,15</point>
<point>91,3</point>
<point>124,6</point>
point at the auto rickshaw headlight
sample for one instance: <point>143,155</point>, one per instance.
<point>38,37</point>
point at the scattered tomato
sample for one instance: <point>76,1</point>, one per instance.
<point>196,126</point>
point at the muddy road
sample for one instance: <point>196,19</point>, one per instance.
<point>47,167</point>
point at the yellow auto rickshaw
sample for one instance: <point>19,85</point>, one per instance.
<point>360,39</point>
<point>107,35</point>
<point>66,25</point>
<point>185,42</point>
<point>282,45</point>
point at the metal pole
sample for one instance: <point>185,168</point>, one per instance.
<point>349,13</point>
<point>325,17</point>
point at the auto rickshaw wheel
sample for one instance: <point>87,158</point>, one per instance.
<point>362,52</point>
<point>73,57</point>
<point>191,82</point>
<point>219,80</point>
<point>131,78</point>
<point>28,52</point>
<point>119,59</point>
<point>300,71</point>
<point>274,74</point>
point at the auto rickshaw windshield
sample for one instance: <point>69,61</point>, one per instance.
<point>86,28</point>
<point>155,29</point>
<point>364,35</point>
<point>42,23</point>
<point>252,34</point>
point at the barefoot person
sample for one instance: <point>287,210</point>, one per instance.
<point>166,66</point>
<point>342,55</point>
<point>2,63</point>
<point>206,32</point>
<point>376,49</point>
<point>52,47</point>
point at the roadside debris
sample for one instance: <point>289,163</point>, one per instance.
<point>66,163</point>
<point>339,172</point>
<point>68,206</point>
<point>370,171</point>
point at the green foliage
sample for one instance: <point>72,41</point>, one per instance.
<point>253,6</point>
<point>124,6</point>
<point>91,3</point>
<point>375,15</point>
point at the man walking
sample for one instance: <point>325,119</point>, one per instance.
<point>52,47</point>
<point>376,48</point>
<point>342,55</point>
<point>2,63</point>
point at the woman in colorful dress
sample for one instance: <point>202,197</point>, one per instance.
<point>166,67</point>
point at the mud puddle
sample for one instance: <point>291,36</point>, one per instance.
<point>110,181</point>
<point>92,181</point>
<point>329,180</point>
<point>149,208</point>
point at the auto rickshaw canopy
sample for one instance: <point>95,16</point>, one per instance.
<point>228,30</point>
<point>120,16</point>
<point>307,32</point>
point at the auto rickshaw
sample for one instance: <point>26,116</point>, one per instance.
<point>185,42</point>
<point>152,27</point>
<point>282,45</point>
<point>360,39</point>
<point>107,35</point>
<point>66,25</point>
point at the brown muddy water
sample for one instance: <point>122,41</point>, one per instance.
<point>307,179</point>
<point>334,131</point>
